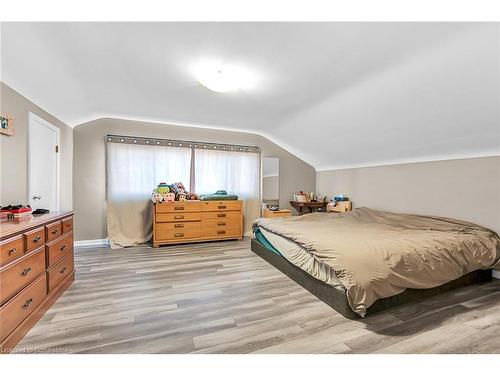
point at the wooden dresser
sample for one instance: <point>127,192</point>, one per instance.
<point>196,221</point>
<point>36,266</point>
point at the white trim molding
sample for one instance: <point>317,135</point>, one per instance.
<point>496,274</point>
<point>88,243</point>
<point>487,154</point>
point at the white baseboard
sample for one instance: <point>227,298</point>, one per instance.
<point>87,243</point>
<point>496,274</point>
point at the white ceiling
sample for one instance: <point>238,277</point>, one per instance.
<point>335,94</point>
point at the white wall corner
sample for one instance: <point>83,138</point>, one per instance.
<point>93,243</point>
<point>496,274</point>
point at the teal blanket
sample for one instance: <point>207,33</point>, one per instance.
<point>263,240</point>
<point>218,197</point>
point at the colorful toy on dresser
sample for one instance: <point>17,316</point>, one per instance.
<point>170,193</point>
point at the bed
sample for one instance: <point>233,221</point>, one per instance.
<point>365,261</point>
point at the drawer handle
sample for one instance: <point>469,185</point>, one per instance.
<point>179,226</point>
<point>62,270</point>
<point>12,251</point>
<point>178,208</point>
<point>179,217</point>
<point>62,247</point>
<point>221,224</point>
<point>221,207</point>
<point>221,232</point>
<point>26,271</point>
<point>221,215</point>
<point>179,235</point>
<point>55,230</point>
<point>36,239</point>
<point>27,303</point>
<point>68,224</point>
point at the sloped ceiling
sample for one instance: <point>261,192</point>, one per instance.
<point>335,94</point>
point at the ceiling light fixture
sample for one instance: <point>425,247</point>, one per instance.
<point>220,77</point>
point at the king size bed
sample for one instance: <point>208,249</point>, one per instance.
<point>364,261</point>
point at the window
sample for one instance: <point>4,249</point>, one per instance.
<point>236,172</point>
<point>133,170</point>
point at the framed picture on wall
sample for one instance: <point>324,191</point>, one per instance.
<point>6,125</point>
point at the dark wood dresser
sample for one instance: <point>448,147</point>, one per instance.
<point>36,266</point>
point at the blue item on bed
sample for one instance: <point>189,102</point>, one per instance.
<point>263,240</point>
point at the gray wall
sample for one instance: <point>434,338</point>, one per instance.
<point>270,187</point>
<point>90,174</point>
<point>14,151</point>
<point>467,189</point>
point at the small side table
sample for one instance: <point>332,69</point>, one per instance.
<point>281,213</point>
<point>308,207</point>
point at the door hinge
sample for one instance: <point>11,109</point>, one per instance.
<point>57,149</point>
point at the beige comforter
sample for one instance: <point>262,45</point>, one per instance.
<point>377,254</point>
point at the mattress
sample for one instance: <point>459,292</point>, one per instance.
<point>374,254</point>
<point>338,300</point>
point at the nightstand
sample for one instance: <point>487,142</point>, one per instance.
<point>267,213</point>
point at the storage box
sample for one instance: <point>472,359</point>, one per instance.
<point>339,207</point>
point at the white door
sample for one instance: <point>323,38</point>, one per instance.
<point>43,164</point>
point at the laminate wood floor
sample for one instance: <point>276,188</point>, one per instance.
<point>221,298</point>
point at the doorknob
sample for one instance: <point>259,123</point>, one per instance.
<point>35,197</point>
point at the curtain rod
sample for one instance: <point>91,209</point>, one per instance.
<point>113,138</point>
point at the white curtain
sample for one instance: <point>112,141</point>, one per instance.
<point>132,173</point>
<point>236,172</point>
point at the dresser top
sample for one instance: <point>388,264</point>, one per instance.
<point>25,223</point>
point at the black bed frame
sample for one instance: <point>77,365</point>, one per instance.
<point>338,300</point>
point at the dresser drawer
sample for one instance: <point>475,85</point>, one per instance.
<point>185,206</point>
<point>226,215</point>
<point>19,307</point>
<point>59,272</point>
<point>181,216</point>
<point>222,205</point>
<point>11,249</point>
<point>177,234</point>
<point>223,222</point>
<point>222,232</point>
<point>67,225</point>
<point>35,238</point>
<point>16,276</point>
<point>180,225</point>
<point>59,249</point>
<point>53,231</point>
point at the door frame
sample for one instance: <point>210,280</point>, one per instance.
<point>31,118</point>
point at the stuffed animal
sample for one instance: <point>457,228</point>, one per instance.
<point>192,196</point>
<point>170,193</point>
<point>156,197</point>
<point>180,192</point>
<point>163,188</point>
<point>169,197</point>
<point>172,188</point>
